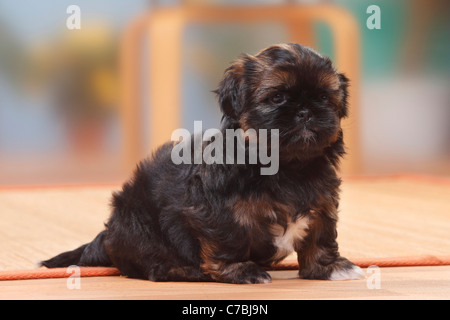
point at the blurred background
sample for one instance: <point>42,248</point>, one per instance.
<point>61,110</point>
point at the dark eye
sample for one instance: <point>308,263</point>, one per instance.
<point>324,97</point>
<point>278,98</point>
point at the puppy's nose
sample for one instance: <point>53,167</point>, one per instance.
<point>304,115</point>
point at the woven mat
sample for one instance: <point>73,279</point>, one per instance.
<point>396,220</point>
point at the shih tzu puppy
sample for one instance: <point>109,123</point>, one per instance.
<point>225,221</point>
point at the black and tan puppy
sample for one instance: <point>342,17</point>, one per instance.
<point>227,222</point>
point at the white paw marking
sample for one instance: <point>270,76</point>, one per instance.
<point>348,274</point>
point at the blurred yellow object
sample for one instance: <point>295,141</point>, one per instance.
<point>104,84</point>
<point>89,38</point>
<point>165,28</point>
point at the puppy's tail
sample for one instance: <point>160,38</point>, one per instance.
<point>90,254</point>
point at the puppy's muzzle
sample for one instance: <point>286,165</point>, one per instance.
<point>303,116</point>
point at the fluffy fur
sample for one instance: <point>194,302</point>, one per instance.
<point>227,222</point>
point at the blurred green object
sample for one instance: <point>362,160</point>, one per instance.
<point>414,37</point>
<point>12,54</point>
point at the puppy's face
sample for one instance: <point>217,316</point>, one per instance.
<point>287,87</point>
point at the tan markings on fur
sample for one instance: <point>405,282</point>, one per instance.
<point>289,48</point>
<point>341,93</point>
<point>335,137</point>
<point>246,212</point>
<point>215,268</point>
<point>243,122</point>
<point>276,78</point>
<point>330,80</point>
<point>236,68</point>
<point>283,46</point>
<point>207,250</point>
<point>210,265</point>
<point>312,51</point>
<point>248,134</point>
<point>249,212</point>
<point>219,269</point>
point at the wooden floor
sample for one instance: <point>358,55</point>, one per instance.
<point>379,217</point>
<point>394,283</point>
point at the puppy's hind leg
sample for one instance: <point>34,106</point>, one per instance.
<point>237,272</point>
<point>174,273</point>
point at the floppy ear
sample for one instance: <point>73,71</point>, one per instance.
<point>343,88</point>
<point>231,90</point>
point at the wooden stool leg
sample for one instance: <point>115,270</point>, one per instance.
<point>165,76</point>
<point>130,106</point>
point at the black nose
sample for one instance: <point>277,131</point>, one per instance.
<point>304,115</point>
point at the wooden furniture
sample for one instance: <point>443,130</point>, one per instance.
<point>164,29</point>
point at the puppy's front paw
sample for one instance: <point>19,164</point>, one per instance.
<point>340,269</point>
<point>351,273</point>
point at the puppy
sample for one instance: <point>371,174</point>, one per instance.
<point>227,222</point>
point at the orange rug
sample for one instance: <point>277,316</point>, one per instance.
<point>402,219</point>
<point>284,265</point>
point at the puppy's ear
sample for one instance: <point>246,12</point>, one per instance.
<point>343,88</point>
<point>231,89</point>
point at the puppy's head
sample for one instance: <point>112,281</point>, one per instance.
<point>288,87</point>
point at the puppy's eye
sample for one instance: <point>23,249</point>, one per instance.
<point>278,98</point>
<point>324,97</point>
